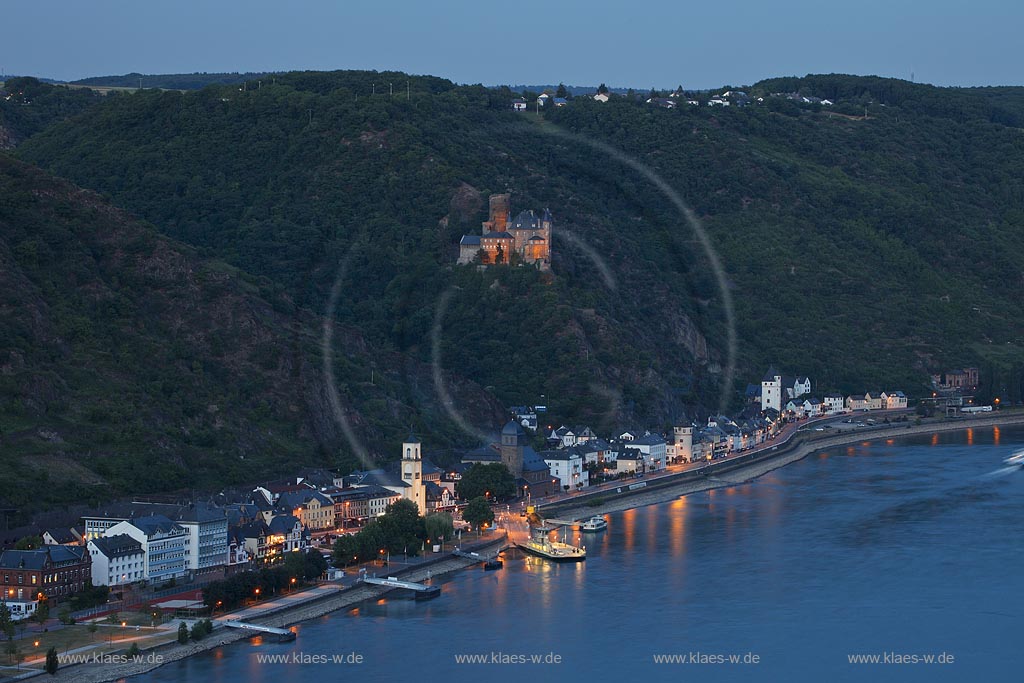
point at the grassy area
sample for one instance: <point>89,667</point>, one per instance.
<point>107,639</point>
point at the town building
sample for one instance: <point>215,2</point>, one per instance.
<point>52,573</point>
<point>63,537</point>
<point>116,560</point>
<point>964,378</point>
<point>205,524</point>
<point>833,404</point>
<point>566,465</point>
<point>165,545</point>
<point>653,449</point>
<point>314,509</point>
<point>894,400</point>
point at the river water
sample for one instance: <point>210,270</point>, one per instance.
<point>888,549</point>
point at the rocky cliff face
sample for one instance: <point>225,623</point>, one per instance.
<point>130,364</point>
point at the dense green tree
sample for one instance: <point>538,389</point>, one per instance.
<point>52,662</point>
<point>478,512</point>
<point>183,633</point>
<point>439,526</point>
<point>346,550</point>
<point>6,622</point>
<point>402,525</point>
<point>561,91</point>
<point>488,480</point>
<point>42,612</point>
<point>29,543</point>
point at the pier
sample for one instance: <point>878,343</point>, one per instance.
<point>283,635</point>
<point>421,590</point>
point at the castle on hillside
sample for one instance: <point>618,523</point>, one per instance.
<point>527,239</point>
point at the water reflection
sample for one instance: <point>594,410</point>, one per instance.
<point>804,564</point>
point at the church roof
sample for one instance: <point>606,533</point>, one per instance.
<point>513,428</point>
<point>532,462</point>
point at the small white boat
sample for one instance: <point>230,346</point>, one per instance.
<point>597,523</point>
<point>1017,459</point>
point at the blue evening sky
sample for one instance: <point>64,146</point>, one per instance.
<point>639,43</point>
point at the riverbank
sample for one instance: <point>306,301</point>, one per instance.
<point>739,471</point>
<point>101,672</point>
<point>730,472</point>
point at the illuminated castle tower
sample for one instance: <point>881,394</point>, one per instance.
<point>499,207</point>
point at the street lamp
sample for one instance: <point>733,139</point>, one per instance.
<point>257,595</point>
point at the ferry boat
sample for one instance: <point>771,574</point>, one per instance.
<point>492,564</point>
<point>539,544</point>
<point>596,523</point>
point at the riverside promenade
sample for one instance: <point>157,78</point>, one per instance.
<point>281,612</point>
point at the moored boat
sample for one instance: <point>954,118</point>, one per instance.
<point>539,544</point>
<point>596,523</point>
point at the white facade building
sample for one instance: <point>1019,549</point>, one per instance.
<point>164,544</point>
<point>567,466</point>
<point>116,560</point>
<point>653,449</point>
<point>771,390</point>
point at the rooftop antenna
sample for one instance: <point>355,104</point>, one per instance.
<point>140,84</point>
<point>373,88</point>
<point>911,76</point>
<point>391,89</point>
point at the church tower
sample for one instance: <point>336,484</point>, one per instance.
<point>412,473</point>
<point>512,444</point>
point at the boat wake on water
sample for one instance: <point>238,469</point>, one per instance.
<point>1013,463</point>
